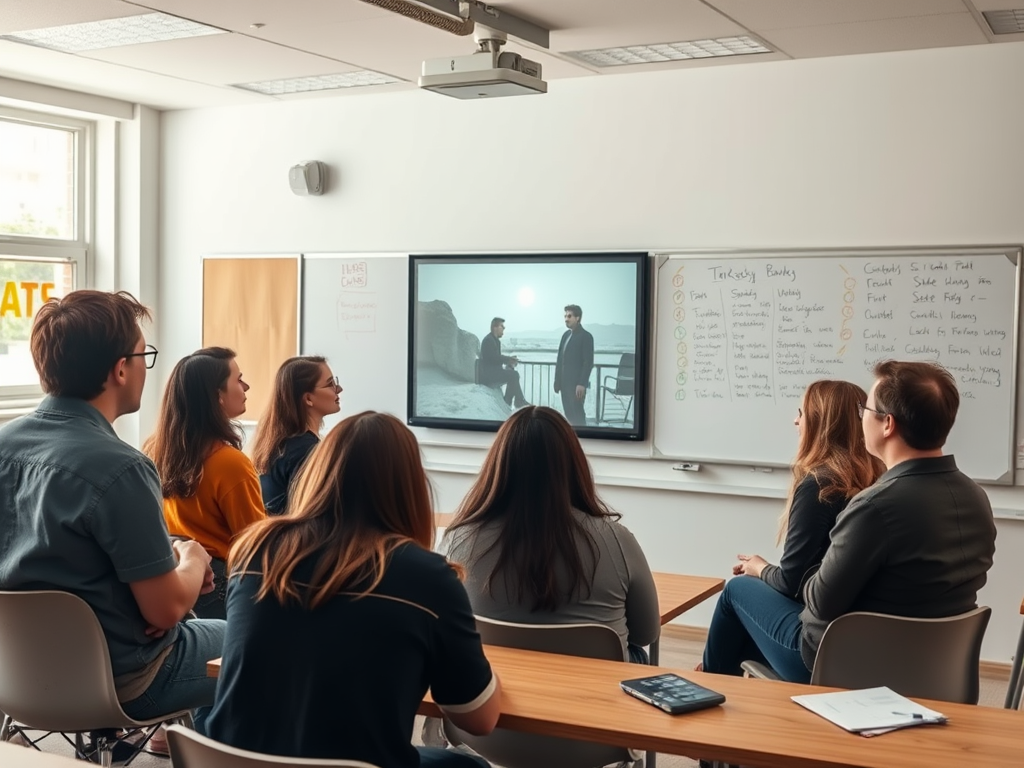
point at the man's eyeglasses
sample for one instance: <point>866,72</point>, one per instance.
<point>332,383</point>
<point>149,356</point>
<point>861,408</point>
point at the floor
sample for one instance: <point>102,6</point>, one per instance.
<point>676,652</point>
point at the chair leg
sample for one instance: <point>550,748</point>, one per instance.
<point>1013,687</point>
<point>7,729</point>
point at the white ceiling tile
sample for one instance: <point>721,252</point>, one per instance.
<point>65,70</point>
<point>220,60</point>
<point>943,31</point>
<point>761,15</point>
<point>997,5</point>
<point>22,15</point>
<point>276,15</point>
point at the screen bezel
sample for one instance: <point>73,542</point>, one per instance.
<point>642,385</point>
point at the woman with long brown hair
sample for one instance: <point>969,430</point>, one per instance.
<point>341,616</point>
<point>759,617</point>
<point>305,391</point>
<point>210,489</point>
<point>538,544</point>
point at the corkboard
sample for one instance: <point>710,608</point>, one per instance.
<point>252,306</point>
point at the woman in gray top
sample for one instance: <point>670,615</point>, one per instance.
<point>540,547</point>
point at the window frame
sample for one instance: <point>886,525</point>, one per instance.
<point>76,250</point>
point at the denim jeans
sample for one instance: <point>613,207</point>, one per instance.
<point>214,605</point>
<point>435,757</point>
<point>181,682</point>
<point>754,622</point>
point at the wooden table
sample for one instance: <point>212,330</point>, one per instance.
<point>758,725</point>
<point>14,756</point>
<point>678,594</point>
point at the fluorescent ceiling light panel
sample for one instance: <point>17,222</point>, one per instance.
<point>112,33</point>
<point>1005,22</point>
<point>358,79</point>
<point>652,54</point>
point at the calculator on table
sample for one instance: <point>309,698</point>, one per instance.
<point>672,693</point>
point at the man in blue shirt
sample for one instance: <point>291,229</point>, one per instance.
<point>81,511</point>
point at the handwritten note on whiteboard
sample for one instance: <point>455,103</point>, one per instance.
<point>739,339</point>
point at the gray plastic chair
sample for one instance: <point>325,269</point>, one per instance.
<point>513,749</point>
<point>919,658</point>
<point>190,750</point>
<point>55,672</point>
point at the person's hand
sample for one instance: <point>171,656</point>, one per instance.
<point>208,582</point>
<point>190,548</point>
<point>155,632</point>
<point>581,392</point>
<point>513,362</point>
<point>749,565</point>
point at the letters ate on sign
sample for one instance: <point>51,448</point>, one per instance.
<point>23,298</point>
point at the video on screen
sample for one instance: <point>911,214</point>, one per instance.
<point>489,334</point>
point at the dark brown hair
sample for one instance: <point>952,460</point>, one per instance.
<point>533,478</point>
<point>574,309</point>
<point>360,495</point>
<point>832,445</point>
<point>77,340</point>
<point>287,416</point>
<point>496,322</point>
<point>921,397</point>
<point>192,421</point>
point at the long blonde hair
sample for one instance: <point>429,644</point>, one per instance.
<point>832,446</point>
<point>361,494</point>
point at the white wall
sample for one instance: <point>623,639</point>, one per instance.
<point>918,148</point>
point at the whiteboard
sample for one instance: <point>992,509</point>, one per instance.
<point>355,312</point>
<point>740,336</point>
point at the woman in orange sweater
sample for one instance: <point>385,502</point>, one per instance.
<point>211,491</point>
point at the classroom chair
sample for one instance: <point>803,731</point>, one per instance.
<point>918,658</point>
<point>1015,686</point>
<point>620,387</point>
<point>55,675</point>
<point>190,750</point>
<point>512,749</point>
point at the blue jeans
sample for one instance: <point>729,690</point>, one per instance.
<point>754,622</point>
<point>181,682</point>
<point>434,757</point>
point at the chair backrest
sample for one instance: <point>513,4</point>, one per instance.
<point>55,671</point>
<point>920,658</point>
<point>525,750</point>
<point>591,641</point>
<point>190,750</point>
<point>627,373</point>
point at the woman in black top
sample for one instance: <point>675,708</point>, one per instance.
<point>305,390</point>
<point>758,618</point>
<point>340,617</point>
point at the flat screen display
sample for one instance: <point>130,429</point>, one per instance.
<point>488,334</point>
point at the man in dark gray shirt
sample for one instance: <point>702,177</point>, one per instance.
<point>81,511</point>
<point>919,542</point>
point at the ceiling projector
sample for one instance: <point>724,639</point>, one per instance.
<point>486,74</point>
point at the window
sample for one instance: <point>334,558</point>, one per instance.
<point>44,227</point>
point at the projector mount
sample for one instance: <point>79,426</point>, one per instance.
<point>460,17</point>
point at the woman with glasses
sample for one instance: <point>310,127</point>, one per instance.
<point>540,547</point>
<point>211,492</point>
<point>305,391</point>
<point>758,615</point>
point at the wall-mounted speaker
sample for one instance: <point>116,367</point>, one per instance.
<point>308,178</point>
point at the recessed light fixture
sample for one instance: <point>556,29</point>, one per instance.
<point>112,33</point>
<point>1009,22</point>
<point>651,54</point>
<point>357,79</point>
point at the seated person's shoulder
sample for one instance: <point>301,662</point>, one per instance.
<point>421,576</point>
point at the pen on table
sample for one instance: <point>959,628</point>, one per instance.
<point>915,715</point>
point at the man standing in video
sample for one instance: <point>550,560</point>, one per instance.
<point>573,366</point>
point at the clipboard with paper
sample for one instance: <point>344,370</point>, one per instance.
<point>869,712</point>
